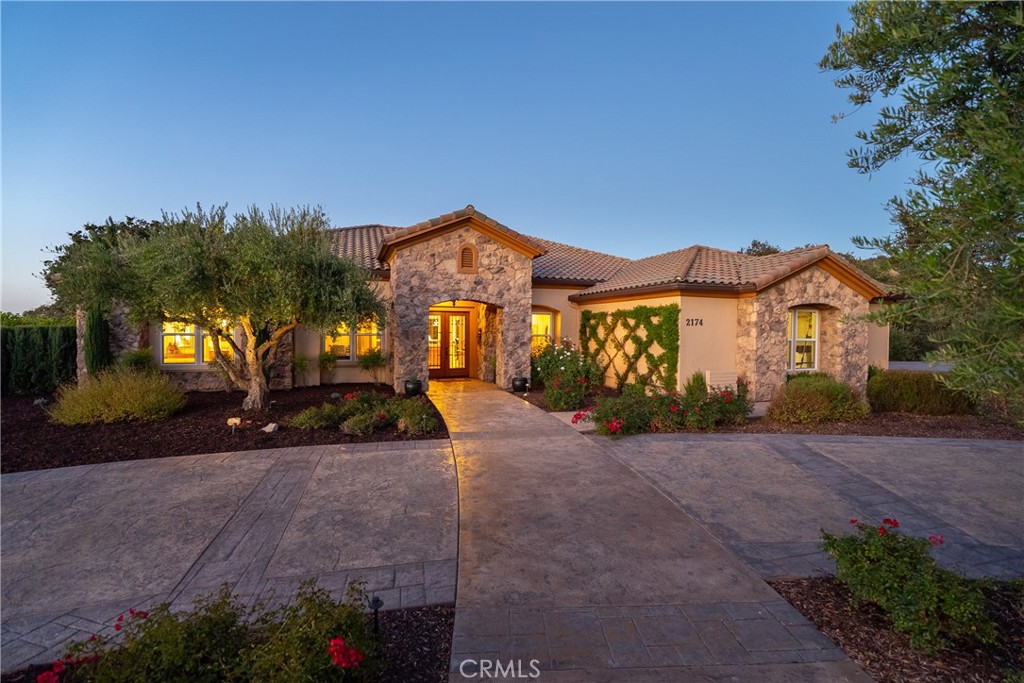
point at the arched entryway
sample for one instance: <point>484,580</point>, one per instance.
<point>454,340</point>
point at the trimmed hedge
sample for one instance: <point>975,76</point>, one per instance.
<point>96,341</point>
<point>915,392</point>
<point>36,360</point>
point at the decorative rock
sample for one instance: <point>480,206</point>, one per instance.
<point>40,402</point>
<point>234,421</point>
<point>270,428</point>
<point>335,395</point>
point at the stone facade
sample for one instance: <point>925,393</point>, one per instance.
<point>426,273</point>
<point>124,335</point>
<point>211,379</point>
<point>842,337</point>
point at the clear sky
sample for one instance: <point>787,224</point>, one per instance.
<point>627,128</point>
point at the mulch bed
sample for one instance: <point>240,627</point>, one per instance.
<point>864,633</point>
<point>415,648</point>
<point>876,424</point>
<point>29,441</point>
<point>895,424</point>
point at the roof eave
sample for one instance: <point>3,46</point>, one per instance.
<point>663,288</point>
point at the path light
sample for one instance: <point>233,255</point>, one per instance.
<point>375,604</point>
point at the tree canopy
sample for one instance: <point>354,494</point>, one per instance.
<point>952,77</point>
<point>265,272</point>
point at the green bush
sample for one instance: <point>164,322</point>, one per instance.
<point>369,421</point>
<point>36,360</point>
<point>814,398</point>
<point>96,341</point>
<point>218,640</point>
<point>294,639</point>
<point>373,361</point>
<point>139,360</point>
<point>416,416</point>
<point>915,392</point>
<point>205,644</point>
<point>117,395</point>
<point>568,376</point>
<point>932,605</point>
<point>630,413</point>
<point>327,415</point>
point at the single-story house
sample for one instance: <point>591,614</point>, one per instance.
<point>470,297</point>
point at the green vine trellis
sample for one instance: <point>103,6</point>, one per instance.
<point>653,332</point>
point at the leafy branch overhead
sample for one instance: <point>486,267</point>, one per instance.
<point>951,77</point>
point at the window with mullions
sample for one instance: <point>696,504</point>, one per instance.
<point>802,344</point>
<point>179,343</point>
<point>542,330</point>
<point>349,345</point>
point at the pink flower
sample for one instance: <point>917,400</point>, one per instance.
<point>117,627</point>
<point>853,521</point>
<point>891,522</point>
<point>936,540</point>
<point>47,677</point>
<point>58,666</point>
<point>674,409</point>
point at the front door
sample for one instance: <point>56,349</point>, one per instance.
<point>446,345</point>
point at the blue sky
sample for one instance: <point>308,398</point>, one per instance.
<point>627,128</point>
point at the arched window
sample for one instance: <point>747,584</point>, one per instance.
<point>467,259</point>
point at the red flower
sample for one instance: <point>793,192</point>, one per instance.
<point>120,617</point>
<point>349,396</point>
<point>674,409</point>
<point>582,380</point>
<point>728,398</point>
<point>117,627</point>
<point>853,521</point>
<point>881,531</point>
<point>891,522</point>
<point>58,666</point>
<point>343,656</point>
<point>936,540</point>
<point>696,409</point>
<point>382,416</point>
<point>47,677</point>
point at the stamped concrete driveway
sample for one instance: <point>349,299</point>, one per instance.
<point>84,544</point>
<point>767,497</point>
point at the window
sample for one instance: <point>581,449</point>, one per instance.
<point>802,345</point>
<point>180,341</point>
<point>542,330</point>
<point>366,338</point>
<point>467,259</point>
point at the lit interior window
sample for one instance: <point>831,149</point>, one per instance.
<point>225,347</point>
<point>340,343</point>
<point>178,343</point>
<point>542,331</point>
<point>802,345</point>
<point>367,338</point>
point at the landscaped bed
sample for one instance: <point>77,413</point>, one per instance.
<point>31,441</point>
<point>865,634</point>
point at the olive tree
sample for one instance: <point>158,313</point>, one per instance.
<point>265,272</point>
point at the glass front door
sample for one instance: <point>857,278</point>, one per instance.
<point>446,344</point>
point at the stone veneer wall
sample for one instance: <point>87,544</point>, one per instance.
<point>124,335</point>
<point>426,273</point>
<point>842,336</point>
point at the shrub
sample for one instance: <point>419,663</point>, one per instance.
<point>630,413</point>
<point>313,639</point>
<point>36,360</point>
<point>932,605</point>
<point>369,421</point>
<point>96,341</point>
<point>568,376</point>
<point>327,415</point>
<point>915,392</point>
<point>814,398</point>
<point>116,395</point>
<point>696,388</point>
<point>416,416</point>
<point>295,641</point>
<point>203,644</point>
<point>139,360</point>
<point>373,362</point>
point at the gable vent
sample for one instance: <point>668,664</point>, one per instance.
<point>467,259</point>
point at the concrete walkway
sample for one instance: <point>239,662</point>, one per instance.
<point>767,496</point>
<point>569,558</point>
<point>84,544</point>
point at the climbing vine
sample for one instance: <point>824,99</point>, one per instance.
<point>619,340</point>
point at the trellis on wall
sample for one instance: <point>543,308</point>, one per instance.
<point>619,340</point>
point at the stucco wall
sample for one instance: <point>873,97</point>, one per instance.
<point>762,331</point>
<point>708,342</point>
<point>618,363</point>
<point>568,318</point>
<point>425,273</point>
<point>878,342</point>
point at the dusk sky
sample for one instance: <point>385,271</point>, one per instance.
<point>632,129</point>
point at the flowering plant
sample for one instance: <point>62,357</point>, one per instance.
<point>933,605</point>
<point>567,374</point>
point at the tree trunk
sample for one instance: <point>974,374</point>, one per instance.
<point>259,393</point>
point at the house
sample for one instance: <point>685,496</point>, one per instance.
<point>470,297</point>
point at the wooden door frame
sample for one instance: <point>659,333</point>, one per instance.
<point>445,371</point>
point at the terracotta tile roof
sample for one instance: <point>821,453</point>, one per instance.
<point>361,242</point>
<point>573,264</point>
<point>714,268</point>
<point>470,210</point>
